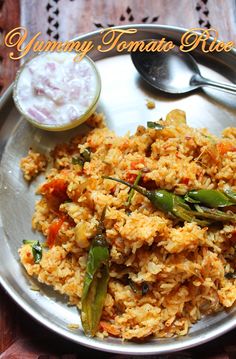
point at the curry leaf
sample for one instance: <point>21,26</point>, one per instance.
<point>37,249</point>
<point>155,125</point>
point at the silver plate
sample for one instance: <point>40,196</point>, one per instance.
<point>123,100</point>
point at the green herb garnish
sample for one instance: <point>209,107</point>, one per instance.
<point>230,275</point>
<point>85,156</point>
<point>145,288</point>
<point>133,286</point>
<point>37,249</point>
<point>77,161</point>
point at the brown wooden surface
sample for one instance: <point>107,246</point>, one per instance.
<point>9,18</point>
<point>79,16</point>
<point>20,335</point>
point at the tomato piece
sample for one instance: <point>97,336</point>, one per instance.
<point>109,328</point>
<point>56,187</point>
<point>134,164</point>
<point>55,192</point>
<point>53,231</point>
<point>185,180</point>
<point>130,177</point>
<point>224,147</point>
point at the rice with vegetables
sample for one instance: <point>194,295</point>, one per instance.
<point>167,267</point>
<point>33,164</point>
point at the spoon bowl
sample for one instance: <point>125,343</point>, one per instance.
<point>173,72</point>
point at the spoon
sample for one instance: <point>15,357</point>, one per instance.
<point>173,71</point>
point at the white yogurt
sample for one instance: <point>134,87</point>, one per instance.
<point>53,90</point>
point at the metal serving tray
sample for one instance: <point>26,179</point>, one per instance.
<point>123,100</point>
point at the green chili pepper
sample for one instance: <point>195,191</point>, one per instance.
<point>95,281</point>
<point>131,194</point>
<point>189,215</point>
<point>160,198</point>
<point>214,214</point>
<point>176,206</point>
<point>230,194</point>
<point>37,249</point>
<point>211,198</point>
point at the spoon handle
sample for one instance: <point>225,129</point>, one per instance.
<point>202,81</point>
